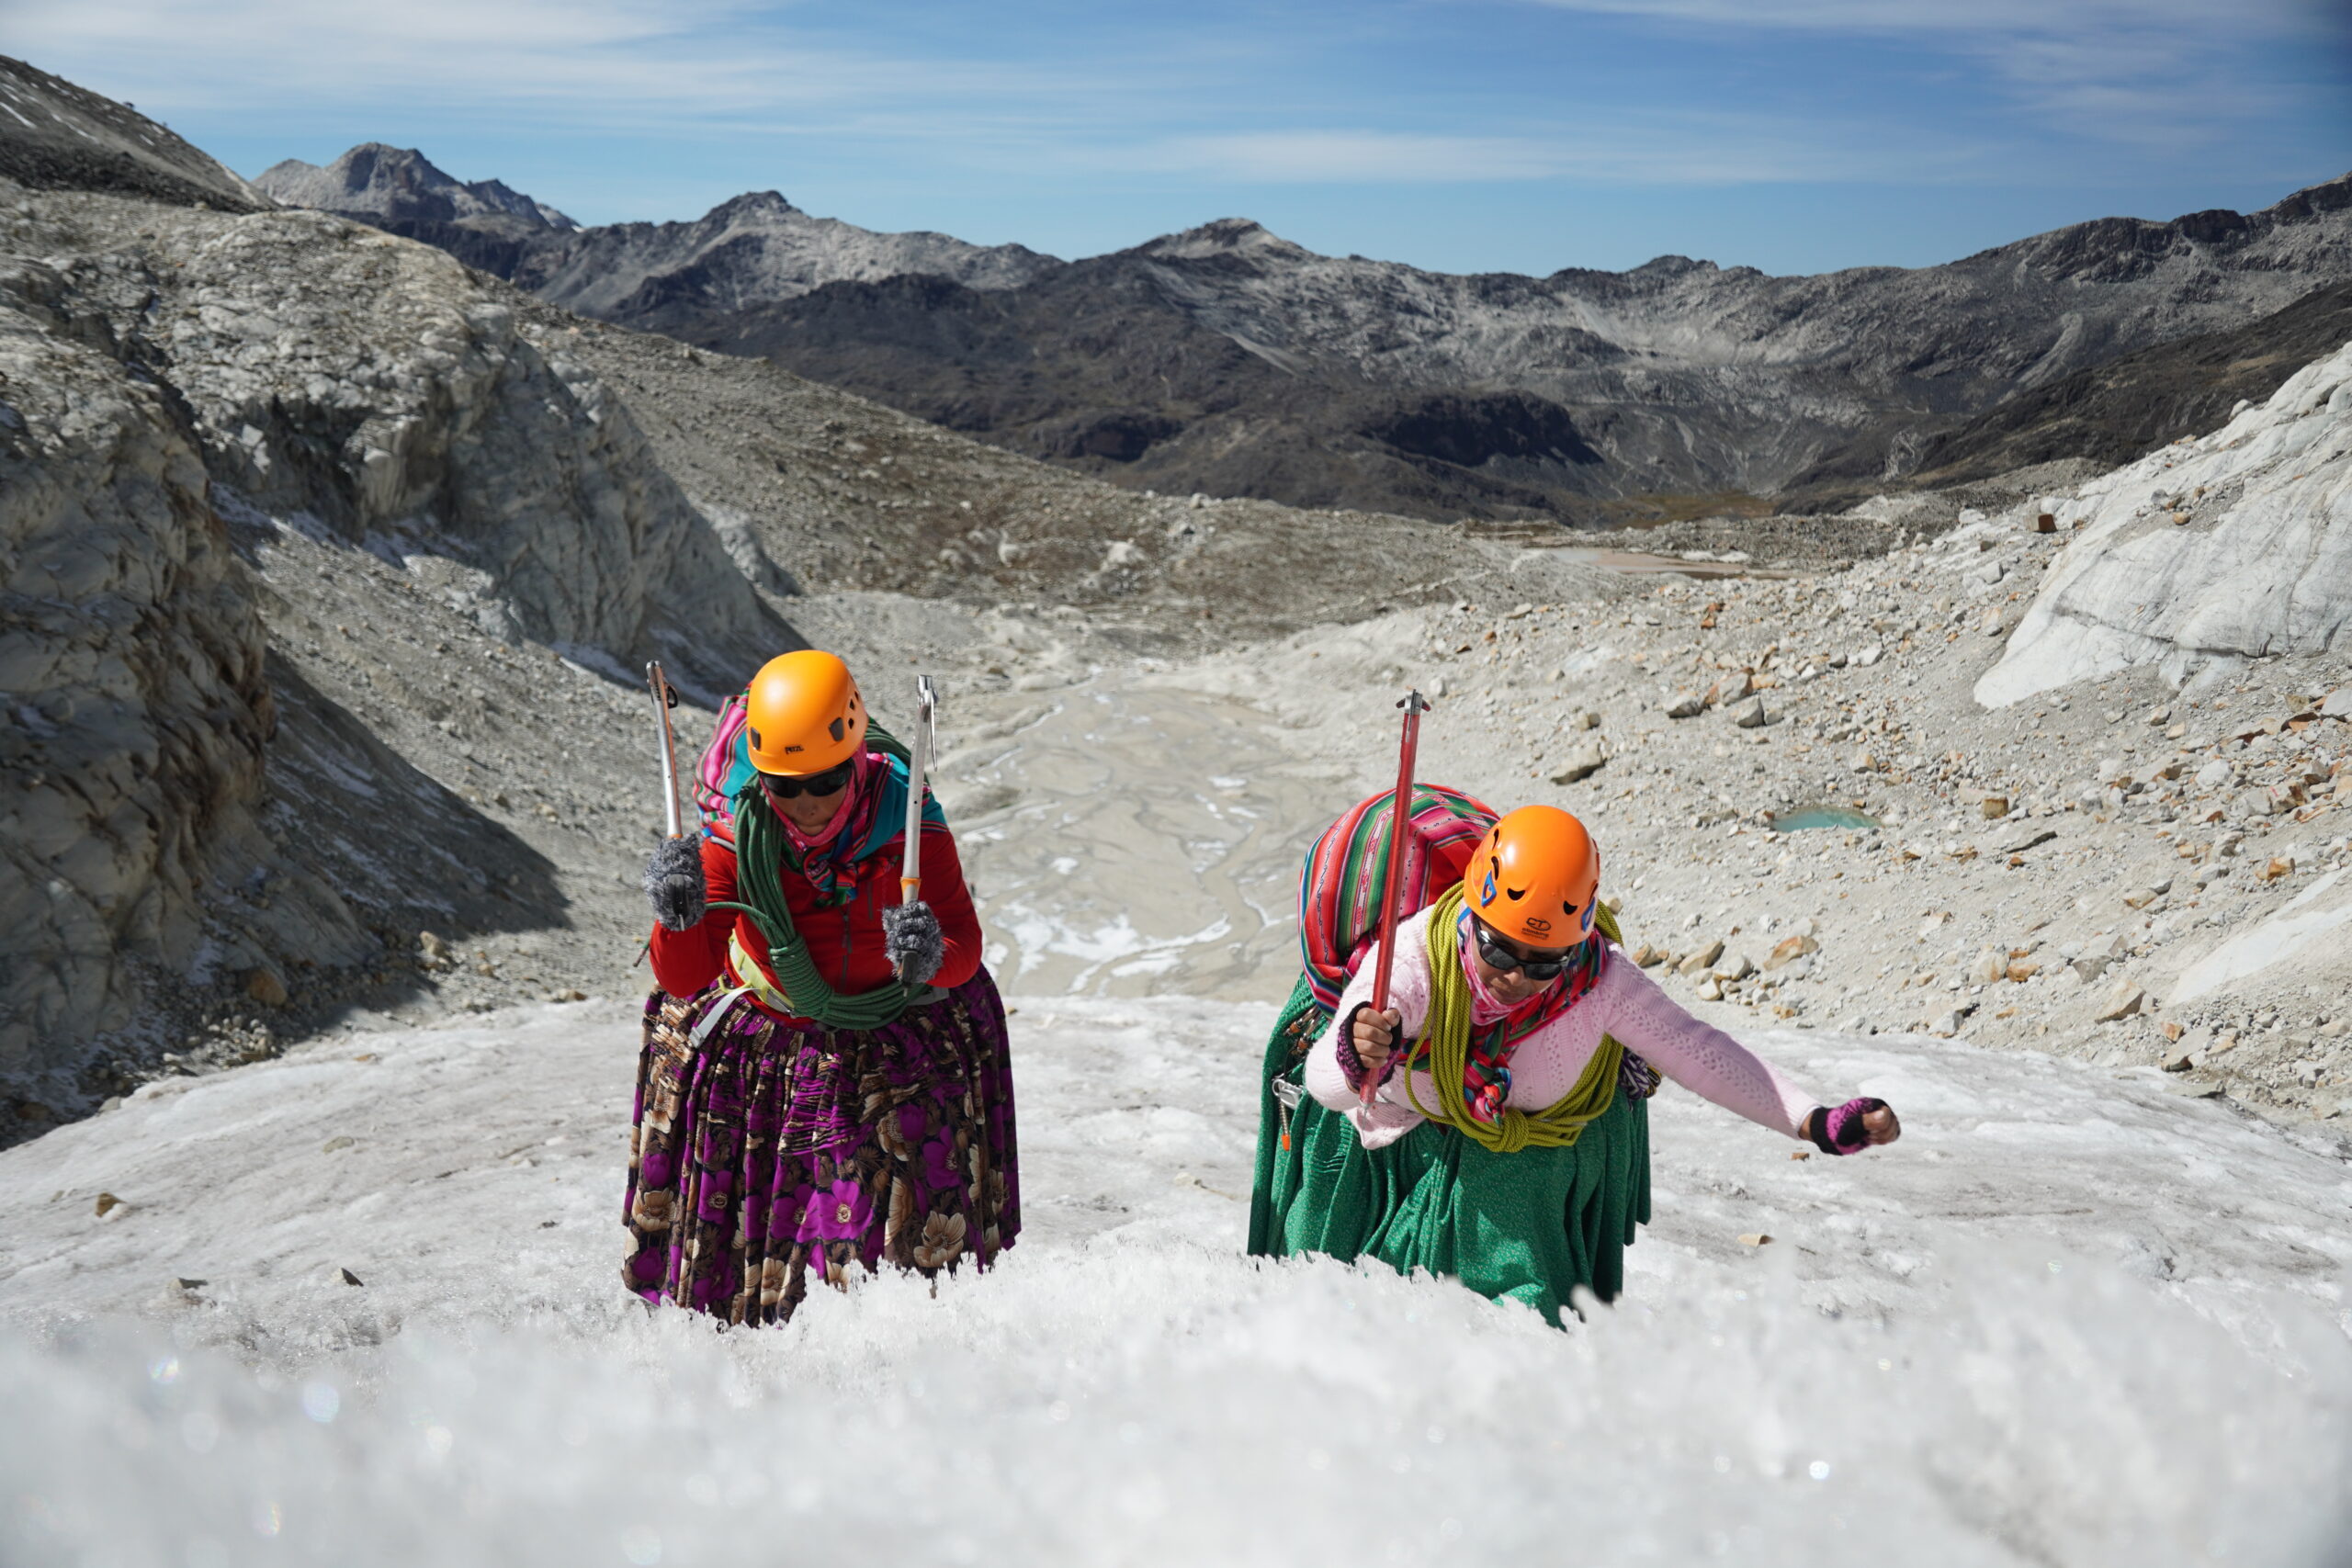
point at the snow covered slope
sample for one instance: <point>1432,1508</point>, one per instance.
<point>2068,1320</point>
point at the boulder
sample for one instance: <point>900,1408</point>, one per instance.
<point>1703,961</point>
<point>2122,1002</point>
<point>1581,763</point>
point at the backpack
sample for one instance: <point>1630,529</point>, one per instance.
<point>1338,891</point>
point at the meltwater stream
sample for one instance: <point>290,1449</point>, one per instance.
<point>1128,838</point>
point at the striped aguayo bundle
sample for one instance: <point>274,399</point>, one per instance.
<point>1339,895</point>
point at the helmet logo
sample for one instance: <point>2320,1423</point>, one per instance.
<point>1537,926</point>
<point>1486,894</point>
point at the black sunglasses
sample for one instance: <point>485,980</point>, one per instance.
<point>1498,956</point>
<point>827,783</point>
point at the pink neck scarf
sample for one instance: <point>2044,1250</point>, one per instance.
<point>862,768</point>
<point>1486,1009</point>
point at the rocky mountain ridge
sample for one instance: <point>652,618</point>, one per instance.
<point>1227,360</point>
<point>383,186</point>
<point>2109,415</point>
<point>62,137</point>
<point>1330,376</point>
<point>750,250</point>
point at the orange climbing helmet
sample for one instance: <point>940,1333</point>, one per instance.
<point>1536,878</point>
<point>804,715</point>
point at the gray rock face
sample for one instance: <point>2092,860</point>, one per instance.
<point>372,388</point>
<point>2106,416</point>
<point>387,184</point>
<point>132,665</point>
<point>2232,546</point>
<point>183,384</point>
<point>62,137</point>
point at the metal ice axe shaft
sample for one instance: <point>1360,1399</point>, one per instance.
<point>665,697</point>
<point>1400,806</point>
<point>918,765</point>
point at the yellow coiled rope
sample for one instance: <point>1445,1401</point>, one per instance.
<point>1445,1047</point>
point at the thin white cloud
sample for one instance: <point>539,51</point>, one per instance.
<point>2079,17</point>
<point>584,62</point>
<point>1684,151</point>
<point>1319,156</point>
<point>2115,70</point>
<point>727,67</point>
<point>2136,71</point>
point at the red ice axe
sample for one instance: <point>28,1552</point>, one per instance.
<point>1399,807</point>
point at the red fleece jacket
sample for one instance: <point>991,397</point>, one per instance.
<point>846,941</point>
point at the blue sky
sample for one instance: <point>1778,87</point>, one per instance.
<point>1795,135</point>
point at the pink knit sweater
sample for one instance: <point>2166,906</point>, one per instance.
<point>1624,1002</point>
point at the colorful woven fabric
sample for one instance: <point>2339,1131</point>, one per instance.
<point>1527,1226</point>
<point>772,1151</point>
<point>1339,894</point>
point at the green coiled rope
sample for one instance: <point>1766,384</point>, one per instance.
<point>760,845</point>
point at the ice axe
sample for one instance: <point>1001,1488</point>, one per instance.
<point>1400,807</point>
<point>674,817</point>
<point>665,697</point>
<point>918,765</point>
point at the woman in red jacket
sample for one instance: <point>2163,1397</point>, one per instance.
<point>824,1076</point>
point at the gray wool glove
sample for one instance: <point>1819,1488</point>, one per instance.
<point>910,935</point>
<point>673,881</point>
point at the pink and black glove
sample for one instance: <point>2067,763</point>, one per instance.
<point>1841,1132</point>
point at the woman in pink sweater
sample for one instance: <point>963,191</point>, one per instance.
<point>1507,1142</point>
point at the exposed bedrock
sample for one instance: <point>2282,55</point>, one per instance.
<point>131,664</point>
<point>2235,545</point>
<point>373,387</point>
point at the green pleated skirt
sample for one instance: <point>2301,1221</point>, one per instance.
<point>1527,1227</point>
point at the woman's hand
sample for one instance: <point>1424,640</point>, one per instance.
<point>910,935</point>
<point>1373,1036</point>
<point>1852,1127</point>
<point>674,883</point>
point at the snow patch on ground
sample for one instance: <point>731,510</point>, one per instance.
<point>2068,1319</point>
